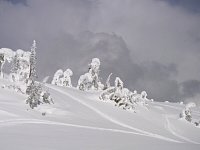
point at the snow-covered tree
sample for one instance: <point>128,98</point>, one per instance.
<point>118,94</point>
<point>15,64</point>
<point>6,54</point>
<point>187,113</point>
<point>140,98</point>
<point>57,79</point>
<point>2,61</point>
<point>90,80</point>
<point>34,91</point>
<point>15,68</point>
<point>20,66</point>
<point>66,80</point>
<point>197,123</point>
<point>36,95</point>
<point>46,97</point>
<point>32,74</point>
<point>123,97</point>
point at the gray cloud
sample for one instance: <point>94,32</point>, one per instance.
<point>190,88</point>
<point>191,5</point>
<point>150,44</point>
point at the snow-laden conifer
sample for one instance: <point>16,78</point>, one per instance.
<point>90,80</point>
<point>187,113</point>
<point>57,78</point>
<point>34,91</point>
<point>66,80</point>
<point>6,54</point>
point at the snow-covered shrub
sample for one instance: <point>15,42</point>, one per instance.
<point>181,103</point>
<point>46,97</point>
<point>125,101</point>
<point>119,95</point>
<point>57,77</point>
<point>139,99</point>
<point>90,80</point>
<point>186,112</point>
<point>36,95</point>
<point>123,97</point>
<point>197,123</point>
<point>66,80</point>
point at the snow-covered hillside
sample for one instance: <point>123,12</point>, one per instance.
<point>79,120</point>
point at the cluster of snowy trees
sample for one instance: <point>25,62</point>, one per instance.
<point>23,75</point>
<point>23,72</point>
<point>86,82</point>
<point>62,78</point>
<point>122,97</point>
<point>186,113</point>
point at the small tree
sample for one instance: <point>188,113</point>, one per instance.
<point>186,112</point>
<point>57,77</point>
<point>140,98</point>
<point>90,80</point>
<point>46,97</point>
<point>66,80</point>
<point>34,91</point>
<point>118,94</point>
<point>36,95</point>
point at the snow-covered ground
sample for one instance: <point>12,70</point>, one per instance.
<point>80,121</point>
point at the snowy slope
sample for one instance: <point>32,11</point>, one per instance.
<point>79,120</point>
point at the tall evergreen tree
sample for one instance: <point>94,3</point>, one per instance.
<point>35,92</point>
<point>32,74</point>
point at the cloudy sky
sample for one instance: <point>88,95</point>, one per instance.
<point>152,45</point>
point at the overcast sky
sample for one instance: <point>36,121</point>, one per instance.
<point>153,45</point>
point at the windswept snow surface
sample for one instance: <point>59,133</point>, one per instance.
<point>80,121</point>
